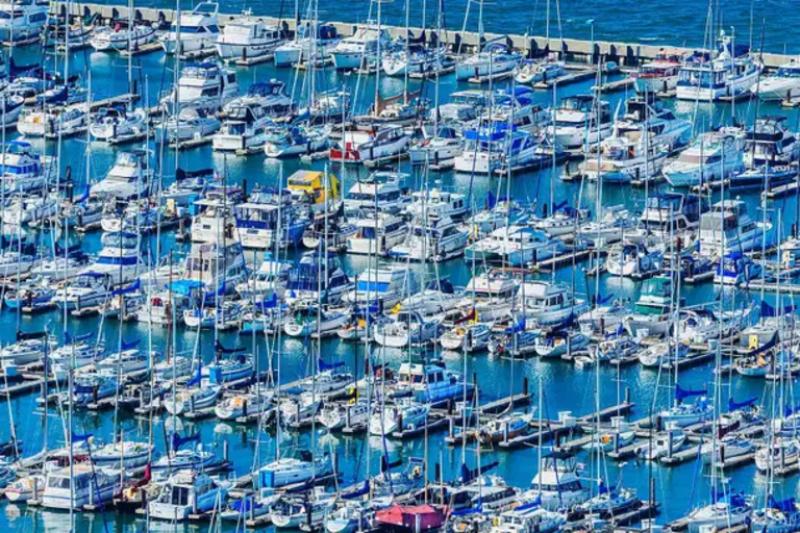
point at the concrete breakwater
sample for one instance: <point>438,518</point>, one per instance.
<point>577,50</point>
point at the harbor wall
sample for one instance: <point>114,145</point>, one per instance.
<point>577,50</point>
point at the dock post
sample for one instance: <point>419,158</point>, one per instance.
<point>525,386</point>
<point>627,395</point>
<point>225,450</point>
<point>450,426</point>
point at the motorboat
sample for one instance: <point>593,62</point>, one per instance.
<point>122,37</point>
<point>728,228</point>
<point>713,156</point>
<point>199,30</point>
<point>439,240</point>
<point>117,123</point>
<point>247,38</point>
<point>360,49</point>
<point>80,485</point>
<point>493,59</point>
<point>129,178</point>
<point>784,84</point>
<point>580,122</point>
<point>185,493</point>
<point>206,86</point>
<point>306,43</point>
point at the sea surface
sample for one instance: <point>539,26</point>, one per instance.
<point>678,489</point>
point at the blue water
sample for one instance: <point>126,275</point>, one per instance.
<point>678,488</point>
<point>675,22</point>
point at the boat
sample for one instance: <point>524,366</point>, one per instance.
<point>622,161</point>
<point>312,320</point>
<point>244,128</point>
<point>548,304</point>
<point>714,156</point>
<point>305,43</point>
<point>770,143</point>
<point>80,485</point>
<point>531,72</point>
<point>318,278</point>
<point>783,84</point>
<point>729,511</point>
<point>121,37</point>
<point>308,513</point>
<point>377,234</point>
<point>191,124</point>
<point>380,191</point>
<point>296,141</point>
<point>371,148</point>
<point>737,269</point>
<point>403,416</point>
<point>559,344</point>
<point>728,72</point>
<point>119,258</point>
<point>429,384</point>
<point>493,59</point>
<point>23,21</point>
<point>23,170</point>
<point>25,489</point>
<point>191,399</point>
<point>496,149</point>
<point>580,122</point>
<point>728,228</point>
<point>381,287</point>
<point>294,471</point>
<point>129,178</point>
<point>438,148</point>
<point>199,30</point>
<point>186,493</point>
<point>406,328</point>
<point>439,240</point>
<point>659,75</point>
<point>126,455</point>
<point>469,338</point>
<point>246,37</point>
<point>633,260</point>
<point>411,517</point>
<point>557,483</point>
<point>206,86</point>
<point>117,123</point>
<point>51,123</point>
<point>360,50</point>
<point>515,245</point>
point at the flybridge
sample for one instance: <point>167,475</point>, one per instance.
<point>624,53</point>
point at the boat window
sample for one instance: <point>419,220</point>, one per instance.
<point>180,496</point>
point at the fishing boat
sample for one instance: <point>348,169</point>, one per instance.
<point>186,493</point>
<point>198,30</point>
<point>247,38</point>
<point>728,72</point>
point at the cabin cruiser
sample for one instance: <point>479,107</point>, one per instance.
<point>580,122</point>
<point>87,289</point>
<point>243,128</point>
<point>80,485</point>
<point>429,384</point>
<point>493,59</point>
<point>382,286</point>
<point>377,233</point>
<point>217,267</point>
<point>784,84</point>
<point>115,123</point>
<point>728,228</point>
<point>713,156</point>
<point>438,148</point>
<point>128,179</point>
<point>206,86</point>
<point>271,96</point>
<point>191,123</point>
<point>268,282</point>
<point>307,513</point>
<point>199,30</point>
<point>128,455</point>
<point>649,123</point>
<point>548,304</point>
<point>769,142</point>
<point>439,240</point>
<point>622,161</point>
<point>495,149</point>
<point>729,512</point>
<point>247,37</point>
<point>490,295</point>
<point>294,470</point>
<point>381,191</point>
<point>660,75</point>
<point>730,72</point>
<point>259,220</point>
<point>436,203</point>
<point>312,320</point>
<point>122,37</point>
<point>360,49</point>
<point>296,140</point>
<point>317,278</point>
<point>22,20</point>
<point>414,59</point>
<point>23,169</point>
<point>557,484</point>
<point>514,246</point>
<point>300,49</point>
<point>186,493</point>
<point>119,259</point>
<point>669,215</point>
<point>372,149</point>
<point>531,72</point>
<point>633,260</point>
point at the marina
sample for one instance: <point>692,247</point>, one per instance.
<point>264,267</point>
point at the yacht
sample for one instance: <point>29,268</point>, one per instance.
<point>622,161</point>
<point>490,295</point>
<point>23,169</point>
<point>118,259</point>
<point>406,328</point>
<point>199,30</point>
<point>22,20</point>
<point>495,149</point>
<point>117,123</point>
<point>580,123</point>
<point>86,290</point>
<point>769,142</point>
<point>493,59</point>
<point>192,399</point>
<point>300,49</point>
<point>532,72</point>
<point>243,129</point>
<point>728,228</point>
<point>80,485</point>
<point>217,267</point>
<point>293,470</point>
<point>414,59</point>
<point>129,178</point>
<point>381,191</point>
<point>728,512</point>
<point>382,286</point>
<point>713,156</point>
<point>728,72</point>
<point>514,246</point>
<point>437,203</point>
<point>259,220</point>
<point>377,234</point>
<point>190,124</point>
<point>284,141</point>
<point>633,260</point>
<point>51,123</point>
<point>206,86</point>
<point>437,149</point>
<point>557,484</point>
<point>122,37</point>
<point>215,220</point>
<point>548,303</point>
<point>317,278</point>
<point>439,240</point>
<point>784,84</point>
<point>271,96</point>
<point>406,414</point>
<point>247,37</point>
<point>647,121</point>
<point>430,384</point>
<point>186,493</point>
<point>360,49</point>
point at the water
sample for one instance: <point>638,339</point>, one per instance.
<point>678,488</point>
